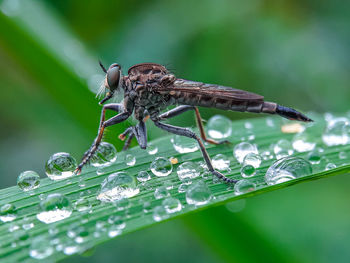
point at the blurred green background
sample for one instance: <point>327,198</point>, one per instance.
<point>294,52</point>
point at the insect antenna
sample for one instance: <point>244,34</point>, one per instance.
<point>103,67</point>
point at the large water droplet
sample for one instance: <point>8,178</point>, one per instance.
<point>105,155</point>
<point>337,132</point>
<point>28,180</point>
<point>252,159</point>
<point>60,166</point>
<point>187,171</point>
<point>161,167</point>
<point>54,207</point>
<point>286,169</point>
<point>242,149</point>
<point>244,186</point>
<point>283,148</point>
<point>184,144</point>
<point>143,176</point>
<point>198,194</point>
<point>8,213</point>
<point>171,205</point>
<point>117,186</point>
<point>219,127</point>
<point>221,162</point>
<point>248,170</point>
<point>304,142</point>
<point>40,248</point>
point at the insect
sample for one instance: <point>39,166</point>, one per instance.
<point>149,88</point>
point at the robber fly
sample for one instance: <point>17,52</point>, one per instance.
<point>150,88</point>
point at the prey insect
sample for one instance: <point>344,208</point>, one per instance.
<point>150,88</point>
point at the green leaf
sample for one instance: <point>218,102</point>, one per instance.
<point>15,249</point>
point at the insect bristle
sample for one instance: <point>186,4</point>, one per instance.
<point>102,91</point>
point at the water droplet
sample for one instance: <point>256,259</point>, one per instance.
<point>171,205</point>
<point>82,205</point>
<point>221,162</point>
<point>54,207</point>
<point>122,204</point>
<point>147,207</point>
<point>236,206</point>
<point>13,228</point>
<point>183,187</point>
<point>219,127</point>
<point>287,169</point>
<point>27,223</point>
<point>304,142</point>
<point>143,176</point>
<point>40,248</point>
<point>187,170</point>
<point>117,221</point>
<point>117,186</point>
<point>337,132</point>
<point>70,247</point>
<point>252,159</point>
<point>161,192</point>
<point>198,194</point>
<point>100,229</point>
<point>267,155</point>
<point>81,182</point>
<point>283,148</point>
<point>78,233</point>
<point>60,166</point>
<point>152,149</point>
<point>159,213</point>
<point>242,149</point>
<point>315,156</point>
<point>161,167</point>
<point>28,180</point>
<point>244,186</point>
<point>343,155</point>
<point>248,170</point>
<point>105,155</point>
<point>330,166</point>
<point>184,144</point>
<point>8,213</point>
<point>130,159</point>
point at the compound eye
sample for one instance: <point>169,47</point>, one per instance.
<point>113,76</point>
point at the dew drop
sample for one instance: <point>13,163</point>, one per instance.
<point>40,248</point>
<point>60,166</point>
<point>252,159</point>
<point>248,170</point>
<point>130,160</point>
<point>219,127</point>
<point>304,142</point>
<point>161,192</point>
<point>315,156</point>
<point>28,180</point>
<point>8,213</point>
<point>143,176</point>
<point>105,155</point>
<point>336,132</point>
<point>242,149</point>
<point>187,171</point>
<point>198,194</point>
<point>330,166</point>
<point>122,204</point>
<point>244,186</point>
<point>184,144</point>
<point>117,186</point>
<point>81,182</point>
<point>78,233</point>
<point>171,205</point>
<point>283,148</point>
<point>286,169</point>
<point>27,223</point>
<point>54,207</point>
<point>221,162</point>
<point>83,205</point>
<point>161,167</point>
<point>343,155</point>
<point>152,149</point>
<point>159,213</point>
<point>183,187</point>
<point>236,206</point>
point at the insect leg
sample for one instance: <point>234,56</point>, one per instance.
<point>139,131</point>
<point>188,133</point>
<point>181,109</point>
<point>103,124</point>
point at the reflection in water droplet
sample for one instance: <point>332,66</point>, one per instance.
<point>219,127</point>
<point>54,207</point>
<point>161,167</point>
<point>105,155</point>
<point>242,149</point>
<point>117,186</point>
<point>221,162</point>
<point>198,194</point>
<point>184,144</point>
<point>130,159</point>
<point>187,170</point>
<point>287,169</point>
<point>28,180</point>
<point>143,176</point>
<point>159,213</point>
<point>248,170</point>
<point>171,205</point>
<point>8,213</point>
<point>337,132</point>
<point>40,248</point>
<point>244,186</point>
<point>283,148</point>
<point>60,166</point>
